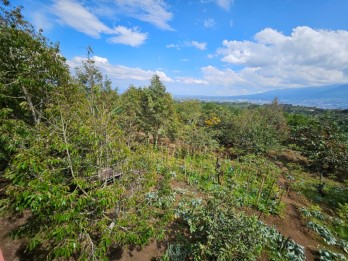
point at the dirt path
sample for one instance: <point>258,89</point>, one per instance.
<point>12,250</point>
<point>292,224</point>
<point>148,253</point>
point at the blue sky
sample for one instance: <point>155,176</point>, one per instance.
<point>202,47</point>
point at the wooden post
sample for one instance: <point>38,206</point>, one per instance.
<point>260,189</point>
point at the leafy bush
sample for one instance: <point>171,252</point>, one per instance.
<point>253,183</point>
<point>323,140</point>
<point>256,130</point>
<point>313,212</point>
<point>281,247</point>
<point>176,252</point>
<point>341,223</point>
<point>326,255</point>
<point>324,232</point>
<point>216,232</point>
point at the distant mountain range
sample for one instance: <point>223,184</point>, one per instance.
<point>327,97</point>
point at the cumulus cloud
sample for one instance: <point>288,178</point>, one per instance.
<point>75,15</point>
<point>120,72</point>
<point>250,78</point>
<point>220,77</point>
<point>151,11</point>
<point>305,57</point>
<point>273,60</point>
<point>96,58</point>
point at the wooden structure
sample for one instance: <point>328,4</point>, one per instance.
<point>108,175</point>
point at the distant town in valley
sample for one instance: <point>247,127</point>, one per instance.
<point>324,97</point>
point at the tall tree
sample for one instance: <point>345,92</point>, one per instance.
<point>130,102</point>
<point>30,67</point>
<point>189,112</point>
<point>157,112</point>
<point>102,102</point>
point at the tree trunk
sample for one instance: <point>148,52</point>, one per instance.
<point>31,105</point>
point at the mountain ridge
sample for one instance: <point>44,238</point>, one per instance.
<point>327,97</point>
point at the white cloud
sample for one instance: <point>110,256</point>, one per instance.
<point>198,45</point>
<point>209,23</point>
<point>119,72</point>
<point>128,36</point>
<point>225,4</point>
<point>150,11</point>
<point>76,16</point>
<point>175,46</point>
<point>220,77</point>
<point>41,21</point>
<point>307,57</point>
<point>191,80</point>
<point>97,59</point>
<point>230,82</point>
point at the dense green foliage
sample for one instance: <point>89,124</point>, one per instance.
<point>323,140</point>
<point>30,69</point>
<point>218,233</point>
<point>92,169</point>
